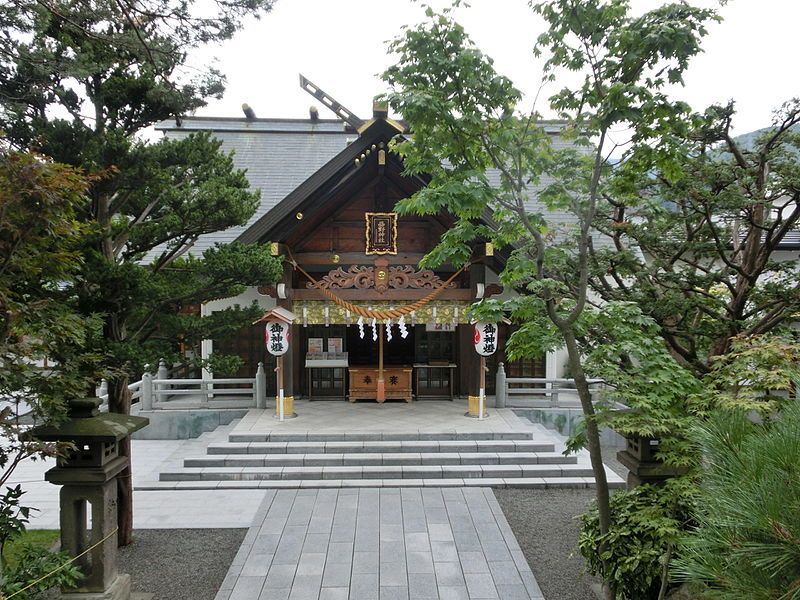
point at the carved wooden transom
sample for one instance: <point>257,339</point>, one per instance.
<point>381,278</point>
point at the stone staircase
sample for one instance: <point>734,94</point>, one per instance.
<point>359,459</point>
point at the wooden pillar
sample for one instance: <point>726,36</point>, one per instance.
<point>381,393</point>
<point>290,357</point>
<point>469,362</point>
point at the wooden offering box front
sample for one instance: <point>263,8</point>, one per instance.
<point>364,383</point>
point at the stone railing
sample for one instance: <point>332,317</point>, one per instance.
<point>534,392</point>
<point>158,391</point>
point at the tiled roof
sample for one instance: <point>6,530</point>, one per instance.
<point>280,154</point>
<point>277,154</point>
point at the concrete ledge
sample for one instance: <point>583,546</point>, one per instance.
<point>184,424</point>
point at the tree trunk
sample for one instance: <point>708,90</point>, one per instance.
<point>593,445</point>
<point>119,401</point>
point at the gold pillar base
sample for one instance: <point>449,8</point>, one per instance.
<point>474,407</point>
<point>288,408</point>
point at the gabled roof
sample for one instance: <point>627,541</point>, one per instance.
<point>320,181</point>
<point>278,155</point>
<point>288,159</point>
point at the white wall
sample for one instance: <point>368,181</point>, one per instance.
<point>244,299</point>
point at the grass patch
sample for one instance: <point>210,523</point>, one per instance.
<point>44,538</point>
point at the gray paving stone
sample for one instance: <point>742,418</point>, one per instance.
<point>422,586</point>
<point>419,446</point>
<point>448,574</point>
<point>393,593</point>
<point>321,460</point>
<point>530,584</point>
<point>436,515</point>
<point>311,563</point>
<point>390,532</point>
<point>364,586</point>
<point>274,594</point>
<point>334,593</point>
<point>336,575</point>
<point>501,471</point>
<point>302,472</point>
<point>422,471</point>
<point>341,472</point>
<point>479,458</point>
<point>496,551</point>
<point>401,458</point>
<point>444,551</point>
<point>480,586</point>
<point>362,459</point>
<point>257,565</point>
<point>316,542</point>
<point>473,562</point>
<point>393,573</point>
<point>505,573</point>
<point>419,562</point>
<point>391,550</point>
<point>365,562</point>
<point>305,587</point>
<point>462,471</point>
<point>525,482</point>
<point>453,593</point>
<point>383,472</point>
<point>306,447</point>
<point>458,446</point>
<point>440,532</point>
<point>440,458</point>
<point>397,436</point>
<point>280,575</point>
<point>266,543</point>
<point>512,592</point>
<point>417,542</point>
<point>439,435</point>
<point>488,531</point>
<point>402,483</point>
<point>340,553</point>
<point>247,588</point>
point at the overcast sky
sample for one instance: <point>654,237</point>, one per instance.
<point>752,56</point>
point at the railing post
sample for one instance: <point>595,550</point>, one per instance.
<point>205,394</point>
<point>147,391</point>
<point>162,373</point>
<point>260,387</point>
<point>500,387</point>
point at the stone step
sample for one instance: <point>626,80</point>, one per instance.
<point>379,447</point>
<point>614,482</point>
<point>375,472</point>
<point>369,459</point>
<point>375,436</point>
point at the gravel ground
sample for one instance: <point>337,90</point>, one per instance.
<point>546,525</point>
<point>180,564</point>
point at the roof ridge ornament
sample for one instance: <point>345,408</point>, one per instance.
<point>330,102</point>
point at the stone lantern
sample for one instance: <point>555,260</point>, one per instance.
<point>87,475</point>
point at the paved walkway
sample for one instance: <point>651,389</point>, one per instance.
<point>329,543</point>
<point>371,544</point>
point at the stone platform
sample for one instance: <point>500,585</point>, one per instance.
<point>424,444</point>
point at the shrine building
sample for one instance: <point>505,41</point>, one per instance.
<point>328,193</point>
